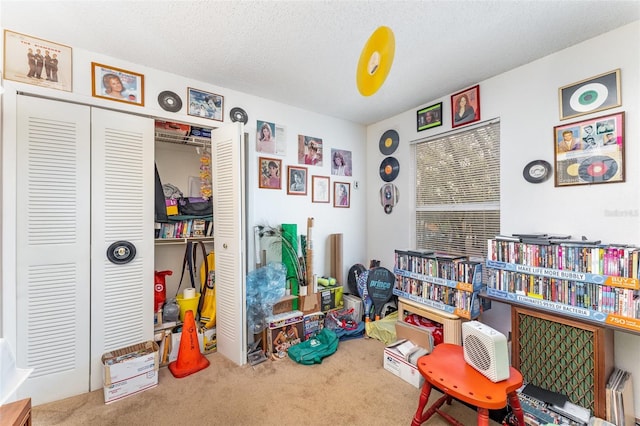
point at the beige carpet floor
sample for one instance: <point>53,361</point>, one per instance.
<point>351,387</point>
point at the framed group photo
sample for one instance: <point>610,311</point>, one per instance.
<point>205,104</point>
<point>465,107</point>
<point>296,180</point>
<point>590,151</point>
<point>341,194</point>
<point>319,189</point>
<point>116,84</point>
<point>269,173</point>
<point>36,61</point>
<point>429,117</point>
<point>591,95</point>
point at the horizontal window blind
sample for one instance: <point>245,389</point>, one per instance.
<point>458,191</point>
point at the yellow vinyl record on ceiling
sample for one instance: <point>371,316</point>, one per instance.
<point>375,61</point>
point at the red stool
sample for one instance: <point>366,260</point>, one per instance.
<point>446,369</point>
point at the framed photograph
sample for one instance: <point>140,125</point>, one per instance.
<point>36,61</point>
<point>296,180</point>
<point>269,173</point>
<point>590,151</point>
<point>465,107</point>
<point>341,194</point>
<point>340,162</point>
<point>309,150</point>
<point>116,84</point>
<point>429,117</point>
<point>591,95</point>
<point>266,137</point>
<point>205,104</point>
<point>319,189</point>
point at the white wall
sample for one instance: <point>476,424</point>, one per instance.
<point>265,207</point>
<point>526,101</point>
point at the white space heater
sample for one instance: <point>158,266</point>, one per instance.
<point>485,349</point>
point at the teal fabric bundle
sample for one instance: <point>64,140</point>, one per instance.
<point>312,351</point>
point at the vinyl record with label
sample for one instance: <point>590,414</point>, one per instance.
<point>375,61</point>
<point>599,168</point>
<point>537,171</point>
<point>389,169</point>
<point>389,142</point>
<point>121,252</point>
<point>169,101</point>
<point>589,97</point>
<point>238,114</point>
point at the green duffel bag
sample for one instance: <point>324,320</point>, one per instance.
<point>313,350</point>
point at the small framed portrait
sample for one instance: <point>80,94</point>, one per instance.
<point>465,107</point>
<point>204,104</point>
<point>319,189</point>
<point>269,173</point>
<point>590,151</point>
<point>429,117</point>
<point>340,162</point>
<point>341,194</point>
<point>36,61</point>
<point>266,137</point>
<point>309,150</point>
<point>296,180</point>
<point>591,95</point>
<point>116,84</point>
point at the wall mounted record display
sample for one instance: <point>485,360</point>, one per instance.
<point>537,171</point>
<point>238,114</point>
<point>169,101</point>
<point>389,142</point>
<point>389,169</point>
<point>591,95</point>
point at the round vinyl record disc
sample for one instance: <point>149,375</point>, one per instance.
<point>537,171</point>
<point>389,142</point>
<point>598,169</point>
<point>238,114</point>
<point>169,101</point>
<point>121,252</point>
<point>589,97</point>
<point>389,169</point>
<point>375,61</point>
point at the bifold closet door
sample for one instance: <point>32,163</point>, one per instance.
<point>52,248</point>
<point>229,223</point>
<point>122,203</point>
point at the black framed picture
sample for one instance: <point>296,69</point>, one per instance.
<point>429,117</point>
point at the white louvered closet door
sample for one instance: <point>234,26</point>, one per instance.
<point>122,188</point>
<point>52,248</point>
<point>229,223</point>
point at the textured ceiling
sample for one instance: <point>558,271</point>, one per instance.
<point>305,53</point>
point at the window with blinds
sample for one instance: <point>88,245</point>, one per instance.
<point>458,191</point>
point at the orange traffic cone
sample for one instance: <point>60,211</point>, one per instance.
<point>190,360</point>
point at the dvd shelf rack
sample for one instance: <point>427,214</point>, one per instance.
<point>442,281</point>
<point>185,228</point>
<point>598,283</point>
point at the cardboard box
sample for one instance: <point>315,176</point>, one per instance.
<point>310,303</point>
<point>130,370</point>
<point>285,330</point>
<point>394,361</point>
<point>331,298</point>
<point>419,336</point>
<point>284,305</point>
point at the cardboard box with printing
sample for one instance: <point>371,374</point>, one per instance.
<point>130,370</point>
<point>331,298</point>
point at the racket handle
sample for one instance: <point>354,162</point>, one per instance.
<point>367,319</point>
<point>377,317</point>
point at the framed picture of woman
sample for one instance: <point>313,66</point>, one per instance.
<point>296,180</point>
<point>341,194</point>
<point>116,84</point>
<point>465,107</point>
<point>269,173</point>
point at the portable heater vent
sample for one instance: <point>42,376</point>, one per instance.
<point>485,349</point>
